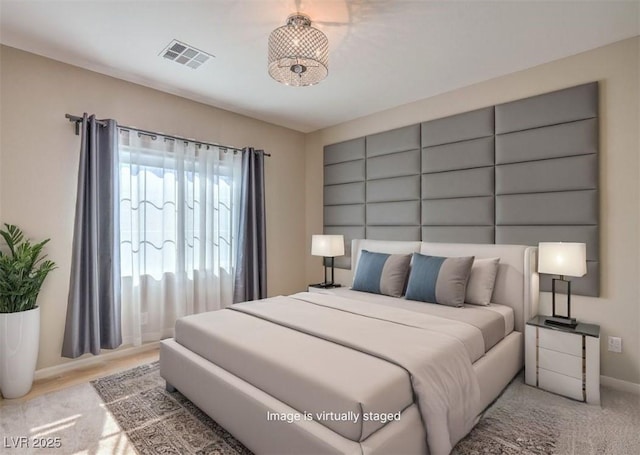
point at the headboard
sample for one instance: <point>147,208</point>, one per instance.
<point>517,282</point>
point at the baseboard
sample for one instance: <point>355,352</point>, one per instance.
<point>619,384</point>
<point>66,367</point>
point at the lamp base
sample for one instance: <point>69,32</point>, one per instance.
<point>561,321</point>
<point>325,285</point>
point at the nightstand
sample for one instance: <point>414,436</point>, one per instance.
<point>563,360</point>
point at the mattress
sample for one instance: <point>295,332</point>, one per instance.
<point>288,364</point>
<point>494,321</point>
<point>319,353</point>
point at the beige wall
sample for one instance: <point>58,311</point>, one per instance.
<point>617,68</point>
<point>39,152</point>
<point>39,156</point>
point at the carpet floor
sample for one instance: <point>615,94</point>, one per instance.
<point>73,420</point>
<point>526,420</point>
<point>130,412</point>
<point>523,420</point>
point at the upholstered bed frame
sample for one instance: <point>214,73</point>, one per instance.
<point>241,408</point>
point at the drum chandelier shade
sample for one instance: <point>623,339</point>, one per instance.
<point>298,52</point>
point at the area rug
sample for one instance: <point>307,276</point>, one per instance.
<point>159,422</point>
<point>523,420</point>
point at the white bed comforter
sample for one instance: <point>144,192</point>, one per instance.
<point>428,347</point>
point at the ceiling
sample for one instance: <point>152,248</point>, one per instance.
<point>383,53</point>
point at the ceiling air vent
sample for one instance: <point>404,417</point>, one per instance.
<point>185,54</point>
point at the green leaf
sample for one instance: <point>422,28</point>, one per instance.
<point>22,272</point>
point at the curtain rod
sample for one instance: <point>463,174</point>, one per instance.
<point>77,120</point>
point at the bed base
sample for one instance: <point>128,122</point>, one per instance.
<point>241,408</point>
<point>498,367</point>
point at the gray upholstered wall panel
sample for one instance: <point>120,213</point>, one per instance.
<point>520,172</point>
<point>344,151</point>
<point>410,233</point>
<point>458,155</point>
<point>393,184</point>
<point>568,105</point>
<point>346,193</point>
<point>468,211</point>
<point>349,233</point>
<point>398,140</point>
<point>347,172</point>
<point>394,189</point>
<point>586,285</point>
<point>566,139</point>
<point>456,184</point>
<point>532,235</point>
<point>344,215</point>
<point>458,178</point>
<point>540,209</point>
<point>547,173</point>
<point>393,213</point>
<point>394,165</point>
<point>461,127</point>
<point>458,234</point>
<point>561,174</point>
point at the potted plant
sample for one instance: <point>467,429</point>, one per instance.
<point>23,268</point>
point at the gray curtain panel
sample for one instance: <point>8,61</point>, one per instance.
<point>93,310</point>
<point>251,253</point>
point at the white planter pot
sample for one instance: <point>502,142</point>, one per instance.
<point>19,341</point>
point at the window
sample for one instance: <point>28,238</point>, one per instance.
<point>178,217</point>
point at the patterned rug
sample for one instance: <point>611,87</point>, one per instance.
<point>523,420</point>
<point>159,422</point>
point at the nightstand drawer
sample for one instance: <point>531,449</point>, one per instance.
<point>561,384</point>
<point>560,341</point>
<point>559,362</point>
<point>563,360</point>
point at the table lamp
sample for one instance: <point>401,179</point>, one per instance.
<point>564,259</point>
<point>327,246</point>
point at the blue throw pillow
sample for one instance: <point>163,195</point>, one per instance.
<point>381,273</point>
<point>437,279</point>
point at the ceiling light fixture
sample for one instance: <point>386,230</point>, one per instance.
<point>298,52</point>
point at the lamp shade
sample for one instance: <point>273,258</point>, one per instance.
<point>562,258</point>
<point>327,245</point>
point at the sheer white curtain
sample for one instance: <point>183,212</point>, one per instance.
<point>178,218</point>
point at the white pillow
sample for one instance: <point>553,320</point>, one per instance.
<point>481,281</point>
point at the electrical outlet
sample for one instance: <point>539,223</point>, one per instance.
<point>615,344</point>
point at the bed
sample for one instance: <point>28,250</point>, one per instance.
<point>347,372</point>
